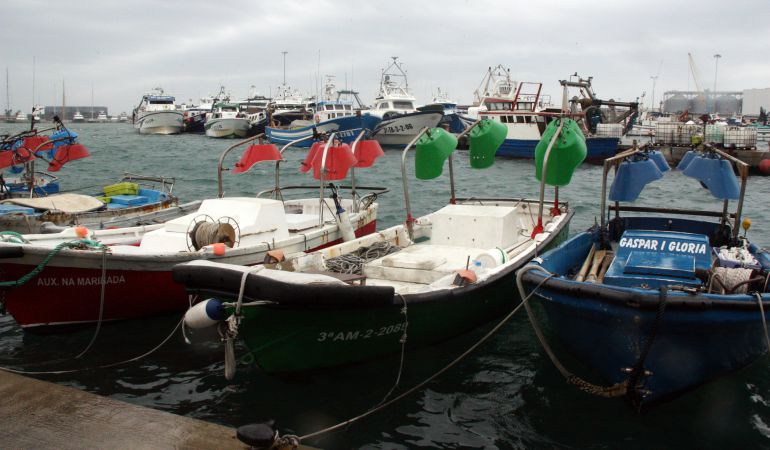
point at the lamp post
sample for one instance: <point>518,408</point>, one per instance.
<point>652,102</point>
<point>284,66</point>
<point>714,94</point>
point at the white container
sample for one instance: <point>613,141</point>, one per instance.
<point>609,130</point>
<point>492,258</point>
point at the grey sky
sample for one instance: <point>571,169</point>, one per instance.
<point>190,47</point>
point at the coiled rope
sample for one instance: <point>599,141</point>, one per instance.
<point>207,233</point>
<point>353,263</point>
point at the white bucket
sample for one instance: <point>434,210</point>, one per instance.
<point>492,258</point>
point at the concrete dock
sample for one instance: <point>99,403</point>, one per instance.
<point>38,414</point>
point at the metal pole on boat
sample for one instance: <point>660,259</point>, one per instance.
<point>543,173</point>
<point>220,169</point>
<point>278,163</point>
<point>743,170</point>
<point>409,218</point>
<point>321,203</point>
<point>353,172</point>
<point>465,132</point>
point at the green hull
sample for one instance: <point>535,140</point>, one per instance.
<point>286,339</point>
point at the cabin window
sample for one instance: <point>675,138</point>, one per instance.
<point>528,119</point>
<point>383,106</point>
<point>328,107</point>
<point>402,105</point>
<point>348,107</point>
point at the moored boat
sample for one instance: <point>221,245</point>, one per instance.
<point>157,114</point>
<point>413,284</point>
<point>657,301</point>
<point>225,120</point>
<point>395,104</point>
<point>80,276</point>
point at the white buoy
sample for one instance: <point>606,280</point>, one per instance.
<point>204,314</point>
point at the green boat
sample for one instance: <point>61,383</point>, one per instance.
<point>414,284</point>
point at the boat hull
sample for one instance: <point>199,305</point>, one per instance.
<point>599,148</point>
<point>698,338</point>
<point>305,336</point>
<point>228,127</point>
<point>346,129</point>
<point>160,122</point>
<point>402,129</point>
<point>68,290</point>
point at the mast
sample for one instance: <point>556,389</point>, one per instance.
<point>63,102</point>
<point>7,96</point>
<point>92,102</point>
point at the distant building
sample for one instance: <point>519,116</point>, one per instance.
<point>724,103</point>
<point>753,99</point>
<point>69,111</point>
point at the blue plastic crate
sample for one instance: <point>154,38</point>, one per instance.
<point>129,200</point>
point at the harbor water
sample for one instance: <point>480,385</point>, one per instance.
<point>504,395</point>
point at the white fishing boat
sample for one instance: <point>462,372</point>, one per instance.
<point>396,106</point>
<point>157,114</point>
<point>78,117</point>
<point>102,117</point>
<point>21,116</point>
<point>123,117</point>
<point>226,120</point>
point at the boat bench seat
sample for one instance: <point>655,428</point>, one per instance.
<point>422,264</point>
<point>476,226</point>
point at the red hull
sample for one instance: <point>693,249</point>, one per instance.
<point>65,295</point>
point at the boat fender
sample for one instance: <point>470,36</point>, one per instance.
<point>205,314</point>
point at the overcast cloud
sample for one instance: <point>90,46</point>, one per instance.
<point>125,48</point>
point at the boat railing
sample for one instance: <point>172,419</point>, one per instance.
<point>743,172</point>
<point>221,169</point>
<point>167,183</point>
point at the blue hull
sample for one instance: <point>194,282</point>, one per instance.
<point>699,336</point>
<point>599,148</point>
<point>346,129</point>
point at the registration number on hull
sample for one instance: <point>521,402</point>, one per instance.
<point>354,335</point>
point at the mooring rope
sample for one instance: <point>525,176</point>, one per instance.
<point>81,243</point>
<point>105,366</point>
<point>423,383</point>
<point>764,321</point>
<point>615,390</point>
<point>101,303</point>
<point>402,340</point>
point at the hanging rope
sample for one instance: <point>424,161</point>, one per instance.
<point>105,366</point>
<point>764,321</point>
<point>615,390</point>
<point>402,340</point>
<point>422,384</point>
<point>83,244</point>
<point>101,303</point>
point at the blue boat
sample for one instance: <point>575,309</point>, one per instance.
<point>599,148</point>
<point>347,128</point>
<point>656,301</point>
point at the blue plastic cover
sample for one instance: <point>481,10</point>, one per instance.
<point>716,175</point>
<point>660,160</point>
<point>686,160</point>
<point>632,177</point>
<point>656,258</point>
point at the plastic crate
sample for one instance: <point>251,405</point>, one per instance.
<point>124,188</point>
<point>128,199</point>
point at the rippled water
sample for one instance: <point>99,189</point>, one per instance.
<point>505,395</point>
